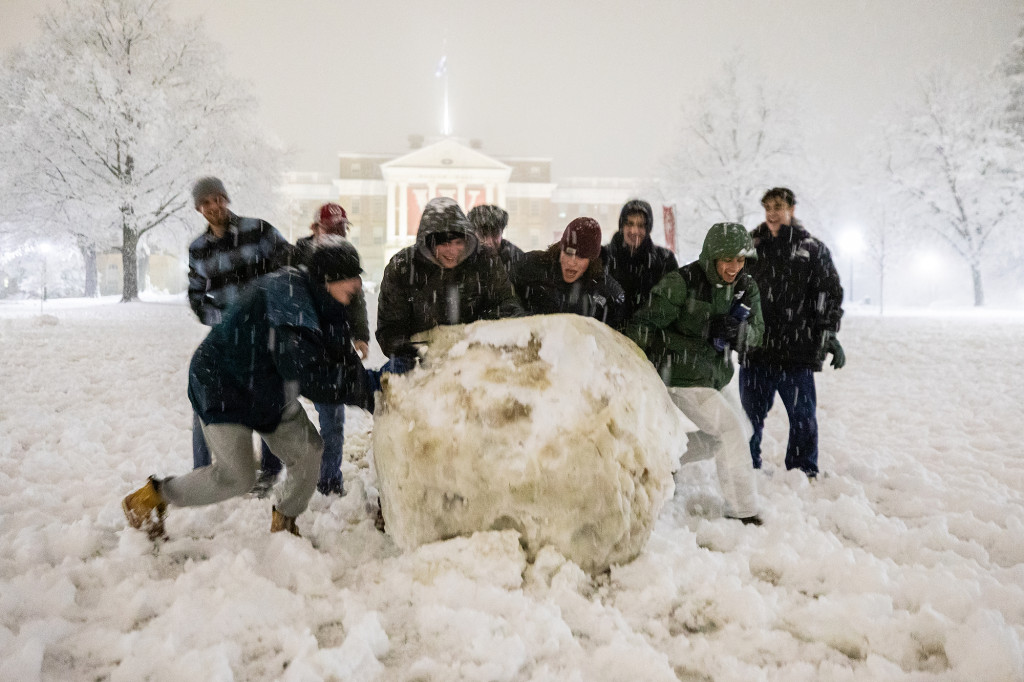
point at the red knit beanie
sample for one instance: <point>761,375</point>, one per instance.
<point>582,238</point>
<point>332,219</point>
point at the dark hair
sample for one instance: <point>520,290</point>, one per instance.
<point>488,219</point>
<point>443,237</point>
<point>783,193</point>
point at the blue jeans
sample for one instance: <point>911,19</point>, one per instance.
<point>201,453</point>
<point>332,430</point>
<point>758,386</point>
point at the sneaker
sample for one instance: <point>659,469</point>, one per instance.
<point>145,509</point>
<point>280,522</point>
<point>332,487</point>
<point>264,483</point>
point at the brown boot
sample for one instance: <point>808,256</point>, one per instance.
<point>145,509</point>
<point>279,522</point>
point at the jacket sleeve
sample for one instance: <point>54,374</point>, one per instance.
<point>282,252</point>
<point>828,292</point>
<point>393,312</point>
<point>302,357</point>
<point>201,304</point>
<point>753,327</point>
<point>668,298</point>
<point>358,319</point>
<point>616,310</point>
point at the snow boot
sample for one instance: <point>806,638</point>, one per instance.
<point>145,509</point>
<point>279,522</point>
<point>332,487</point>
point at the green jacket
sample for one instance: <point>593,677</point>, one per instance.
<point>672,327</point>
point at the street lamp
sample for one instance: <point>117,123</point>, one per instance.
<point>851,242</point>
<point>44,249</point>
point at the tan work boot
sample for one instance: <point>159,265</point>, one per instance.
<point>145,509</point>
<point>279,522</point>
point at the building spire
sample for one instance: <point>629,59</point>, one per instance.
<point>442,72</point>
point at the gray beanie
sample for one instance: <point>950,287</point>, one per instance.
<point>204,187</point>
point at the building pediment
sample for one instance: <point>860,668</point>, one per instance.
<point>447,153</point>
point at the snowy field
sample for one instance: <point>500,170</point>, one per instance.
<point>905,561</point>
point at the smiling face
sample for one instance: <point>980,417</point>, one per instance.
<point>449,254</point>
<point>344,290</point>
<point>729,268</point>
<point>777,213</point>
<point>573,266</point>
<point>634,230</point>
<point>214,208</point>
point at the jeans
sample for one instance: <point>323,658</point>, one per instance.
<point>758,386</point>
<point>201,453</point>
<point>332,430</point>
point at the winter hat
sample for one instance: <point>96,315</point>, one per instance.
<point>637,206</point>
<point>442,214</point>
<point>582,238</point>
<point>332,219</point>
<point>334,258</point>
<point>488,219</point>
<point>725,240</point>
<point>204,187</point>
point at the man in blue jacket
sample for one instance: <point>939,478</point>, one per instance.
<point>298,342</point>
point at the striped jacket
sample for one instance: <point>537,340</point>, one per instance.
<point>219,270</point>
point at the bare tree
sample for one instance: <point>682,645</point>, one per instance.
<point>957,167</point>
<point>111,113</point>
<point>739,137</point>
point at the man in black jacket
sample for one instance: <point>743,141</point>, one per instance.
<point>444,278</point>
<point>568,277</point>
<point>801,300</point>
<point>632,259</point>
<point>490,223</point>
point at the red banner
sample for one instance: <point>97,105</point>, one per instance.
<point>668,216</point>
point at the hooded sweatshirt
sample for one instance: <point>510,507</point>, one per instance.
<point>637,271</point>
<point>417,293</point>
<point>673,327</point>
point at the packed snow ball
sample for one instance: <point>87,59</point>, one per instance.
<point>555,426</point>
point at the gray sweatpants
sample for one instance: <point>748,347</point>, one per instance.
<point>725,435</point>
<point>233,470</point>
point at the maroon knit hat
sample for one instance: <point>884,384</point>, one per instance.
<point>582,238</point>
<point>332,219</point>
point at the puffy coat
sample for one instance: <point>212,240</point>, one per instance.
<point>219,270</point>
<point>510,255</point>
<point>801,297</point>
<point>539,284</point>
<point>283,338</point>
<point>417,293</point>
<point>673,327</point>
<point>637,271</point>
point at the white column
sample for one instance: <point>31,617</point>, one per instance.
<point>489,193</point>
<point>392,206</point>
<point>460,192</point>
<point>403,209</point>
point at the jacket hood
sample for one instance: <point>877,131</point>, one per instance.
<point>637,206</point>
<point>725,240</point>
<point>442,214</point>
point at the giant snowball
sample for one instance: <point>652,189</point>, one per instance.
<point>556,426</point>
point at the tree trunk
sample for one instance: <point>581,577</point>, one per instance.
<point>979,291</point>
<point>129,262</point>
<point>88,252</point>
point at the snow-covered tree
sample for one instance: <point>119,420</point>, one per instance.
<point>739,137</point>
<point>111,114</point>
<point>957,168</point>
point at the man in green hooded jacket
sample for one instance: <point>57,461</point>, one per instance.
<point>697,315</point>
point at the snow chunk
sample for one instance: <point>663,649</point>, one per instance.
<point>554,426</point>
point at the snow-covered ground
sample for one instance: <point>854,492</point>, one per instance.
<point>904,562</point>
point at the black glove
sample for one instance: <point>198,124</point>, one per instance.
<point>830,344</point>
<point>724,327</point>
